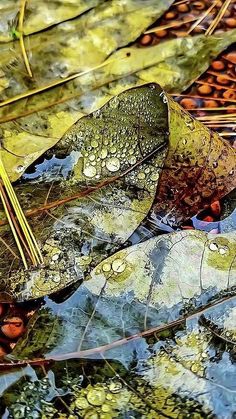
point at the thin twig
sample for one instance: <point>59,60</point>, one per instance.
<point>202,17</point>
<point>170,25</point>
<point>218,17</point>
<point>9,248</point>
<point>215,85</point>
<point>203,97</point>
<point>225,76</point>
<point>21,37</point>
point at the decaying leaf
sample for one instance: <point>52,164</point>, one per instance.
<point>98,184</point>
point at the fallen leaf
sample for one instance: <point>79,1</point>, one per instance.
<point>98,184</point>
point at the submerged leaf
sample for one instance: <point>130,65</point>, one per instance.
<point>140,288</point>
<point>186,371</point>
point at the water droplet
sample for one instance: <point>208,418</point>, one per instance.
<point>81,403</point>
<point>213,247</point>
<point>115,387</point>
<point>113,164</point>
<point>96,397</point>
<point>92,157</point>
<point>105,141</point>
<point>90,171</point>
<point>141,176</point>
<point>154,177</point>
<point>106,267</point>
<point>113,150</point>
<point>118,265</point>
<point>223,250</point>
<point>132,160</point>
<point>103,153</point>
<point>94,143</point>
<point>20,169</point>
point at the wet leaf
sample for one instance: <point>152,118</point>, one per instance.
<point>79,44</point>
<point>36,19</point>
<point>56,119</point>
<point>140,288</point>
<point>98,184</point>
<point>95,153</point>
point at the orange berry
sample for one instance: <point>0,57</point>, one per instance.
<point>199,5</point>
<point>231,56</point>
<point>188,103</point>
<point>229,94</point>
<point>222,80</point>
<point>216,208</point>
<point>2,352</point>
<point>182,8</point>
<point>210,103</point>
<point>170,15</point>
<point>204,89</point>
<point>13,327</point>
<point>218,65</point>
<point>162,33</point>
<point>208,219</point>
<point>146,39</point>
<point>231,22</point>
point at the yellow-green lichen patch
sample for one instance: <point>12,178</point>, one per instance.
<point>221,253</point>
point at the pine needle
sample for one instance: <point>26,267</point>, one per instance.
<point>171,25</point>
<point>21,37</point>
<point>216,85</point>
<point>225,76</point>
<point>202,17</point>
<point>12,228</point>
<point>218,17</point>
<point>22,233</point>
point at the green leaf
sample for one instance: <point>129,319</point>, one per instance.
<point>35,18</point>
<point>159,338</point>
<point>181,53</point>
<point>79,44</point>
